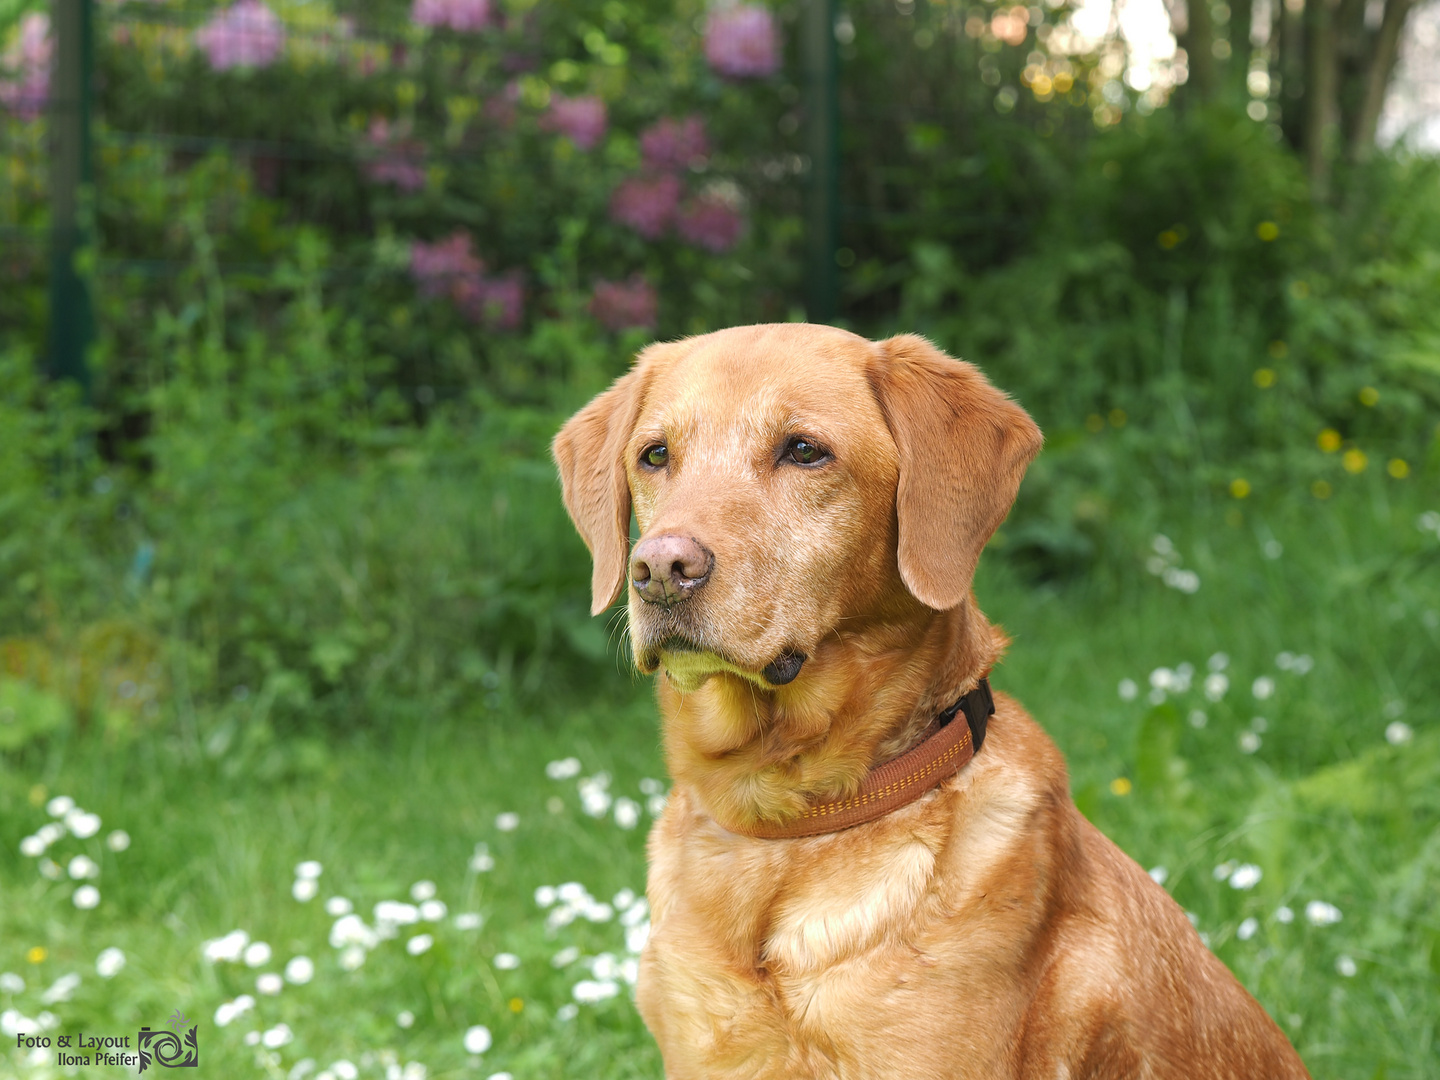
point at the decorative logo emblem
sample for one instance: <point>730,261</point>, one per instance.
<point>171,1048</point>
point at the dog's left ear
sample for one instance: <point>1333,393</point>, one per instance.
<point>963,449</point>
<point>590,451</point>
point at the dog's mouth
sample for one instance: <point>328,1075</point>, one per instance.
<point>689,664</point>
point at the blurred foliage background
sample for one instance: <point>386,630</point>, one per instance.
<point>366,258</point>
<point>354,261</point>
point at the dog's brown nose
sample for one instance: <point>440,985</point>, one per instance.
<point>668,568</point>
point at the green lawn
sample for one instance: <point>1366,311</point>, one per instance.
<point>1333,797</point>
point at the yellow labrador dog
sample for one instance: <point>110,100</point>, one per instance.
<point>850,880</point>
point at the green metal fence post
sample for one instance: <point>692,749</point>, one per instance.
<point>72,321</point>
<point>822,204</point>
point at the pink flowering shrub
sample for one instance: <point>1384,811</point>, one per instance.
<point>466,16</point>
<point>25,68</point>
<point>450,268</point>
<point>247,34</point>
<point>497,302</point>
<point>439,267</point>
<point>670,145</point>
<point>710,222</point>
<point>621,305</point>
<point>582,119</point>
<point>398,159</point>
<point>742,41</point>
<point>646,205</point>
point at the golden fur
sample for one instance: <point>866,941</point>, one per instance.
<point>985,930</point>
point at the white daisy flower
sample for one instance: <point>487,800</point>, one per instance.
<point>627,812</point>
<point>277,1036</point>
<point>228,948</point>
<point>477,1039</point>
<point>109,962</point>
<point>563,769</point>
<point>1320,913</point>
<point>300,970</point>
<point>1245,876</point>
<point>86,897</point>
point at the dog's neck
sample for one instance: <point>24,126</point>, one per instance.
<point>867,695</point>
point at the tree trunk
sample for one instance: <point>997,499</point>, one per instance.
<point>1242,14</point>
<point>1198,41</point>
<point>1290,31</point>
<point>1322,112</point>
<point>1375,78</point>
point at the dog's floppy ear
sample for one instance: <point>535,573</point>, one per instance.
<point>963,449</point>
<point>590,451</point>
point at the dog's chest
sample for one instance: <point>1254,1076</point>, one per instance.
<point>823,972</point>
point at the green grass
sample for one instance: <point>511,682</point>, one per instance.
<point>221,811</point>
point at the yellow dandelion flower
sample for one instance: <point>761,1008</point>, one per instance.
<point>1264,378</point>
<point>1369,396</point>
<point>1320,489</point>
<point>1118,418</point>
<point>516,1005</point>
<point>37,954</point>
<point>1328,440</point>
<point>1267,231</point>
<point>1399,468</point>
<point>1278,350</point>
<point>1094,422</point>
<point>1121,786</point>
<point>37,794</point>
<point>1239,487</point>
<point>1354,461</point>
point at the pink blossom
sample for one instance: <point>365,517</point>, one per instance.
<point>398,159</point>
<point>440,267</point>
<point>450,268</point>
<point>710,222</point>
<point>27,60</point>
<point>580,119</point>
<point>246,34</point>
<point>497,302</point>
<point>646,205</point>
<point>466,16</point>
<point>742,41</point>
<point>619,305</point>
<point>670,144</point>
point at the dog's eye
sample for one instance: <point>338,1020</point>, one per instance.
<point>655,456</point>
<point>804,452</point>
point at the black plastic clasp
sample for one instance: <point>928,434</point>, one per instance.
<point>978,706</point>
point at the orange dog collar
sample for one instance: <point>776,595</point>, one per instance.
<point>900,782</point>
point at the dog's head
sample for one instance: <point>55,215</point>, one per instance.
<point>789,481</point>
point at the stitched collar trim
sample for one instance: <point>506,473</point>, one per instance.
<point>900,782</point>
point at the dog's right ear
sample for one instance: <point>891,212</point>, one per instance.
<point>590,451</point>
